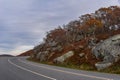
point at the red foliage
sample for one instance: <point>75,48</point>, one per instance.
<point>27,53</point>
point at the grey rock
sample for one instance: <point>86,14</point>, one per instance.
<point>57,48</point>
<point>92,42</point>
<point>82,54</point>
<point>42,58</point>
<point>102,65</point>
<point>62,58</point>
<point>46,52</point>
<point>109,58</point>
<point>53,43</point>
<point>42,55</point>
<point>38,55</point>
<point>108,50</point>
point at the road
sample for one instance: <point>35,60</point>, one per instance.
<point>18,68</point>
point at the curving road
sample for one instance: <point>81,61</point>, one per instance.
<point>18,68</point>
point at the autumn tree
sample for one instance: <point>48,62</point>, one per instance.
<point>93,24</point>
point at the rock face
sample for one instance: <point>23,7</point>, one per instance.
<point>108,51</point>
<point>62,58</point>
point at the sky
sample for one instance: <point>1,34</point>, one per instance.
<point>24,23</point>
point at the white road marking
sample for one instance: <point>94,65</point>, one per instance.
<point>78,74</point>
<point>31,71</point>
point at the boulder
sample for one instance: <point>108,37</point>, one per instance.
<point>62,58</point>
<point>102,65</point>
<point>82,55</point>
<point>42,55</point>
<point>46,53</point>
<point>57,48</point>
<point>53,43</point>
<point>42,58</point>
<point>108,50</point>
<point>38,55</point>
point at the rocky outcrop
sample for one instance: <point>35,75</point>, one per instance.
<point>108,51</point>
<point>79,37</point>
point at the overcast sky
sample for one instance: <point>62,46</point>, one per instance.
<point>24,23</point>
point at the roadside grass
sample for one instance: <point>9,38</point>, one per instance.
<point>114,69</point>
<point>84,66</point>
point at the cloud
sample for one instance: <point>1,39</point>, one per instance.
<point>20,49</point>
<point>24,23</point>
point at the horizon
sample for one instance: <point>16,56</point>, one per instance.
<point>24,23</point>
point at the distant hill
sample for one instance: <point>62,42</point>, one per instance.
<point>27,53</point>
<point>6,55</point>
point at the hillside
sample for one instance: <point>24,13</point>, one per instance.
<point>73,43</point>
<point>6,55</point>
<point>27,53</point>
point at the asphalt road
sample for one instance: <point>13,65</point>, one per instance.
<point>18,68</point>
